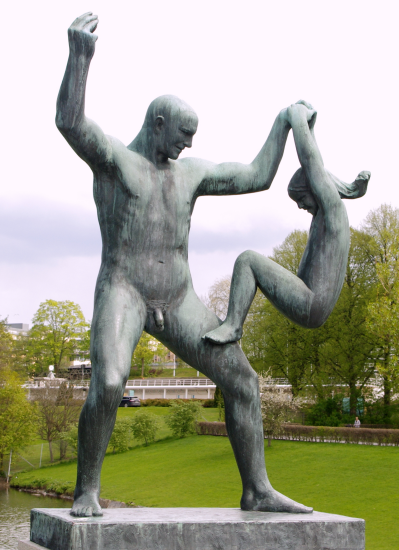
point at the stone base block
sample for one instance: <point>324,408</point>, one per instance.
<point>28,545</point>
<point>194,529</point>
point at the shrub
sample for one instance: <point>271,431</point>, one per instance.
<point>208,404</point>
<point>155,402</point>
<point>277,407</point>
<point>377,412</point>
<point>155,372</point>
<point>144,426</point>
<point>182,417</point>
<point>120,437</point>
<point>326,412</point>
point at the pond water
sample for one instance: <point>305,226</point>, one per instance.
<point>15,510</point>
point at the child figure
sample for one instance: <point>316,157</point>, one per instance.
<point>308,297</point>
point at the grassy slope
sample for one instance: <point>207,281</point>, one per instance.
<point>353,480</point>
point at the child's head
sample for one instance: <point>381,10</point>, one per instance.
<point>299,191</point>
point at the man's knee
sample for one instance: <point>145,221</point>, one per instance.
<point>107,387</point>
<point>244,387</point>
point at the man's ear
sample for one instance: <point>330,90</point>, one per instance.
<point>159,124</point>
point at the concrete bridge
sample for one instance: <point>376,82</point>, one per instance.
<point>171,388</point>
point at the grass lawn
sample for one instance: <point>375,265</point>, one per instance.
<point>353,480</point>
<point>30,455</point>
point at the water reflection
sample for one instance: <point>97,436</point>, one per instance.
<point>15,510</point>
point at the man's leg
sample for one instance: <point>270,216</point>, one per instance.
<point>228,367</point>
<point>119,317</point>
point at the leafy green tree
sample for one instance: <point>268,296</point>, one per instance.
<point>120,438</point>
<point>382,247</point>
<point>218,400</point>
<point>145,425</point>
<point>6,347</point>
<point>347,353</point>
<point>182,417</point>
<point>17,415</point>
<point>58,411</point>
<point>144,353</point>
<point>271,341</point>
<point>338,353</point>
<point>56,335</point>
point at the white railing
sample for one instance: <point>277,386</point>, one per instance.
<point>170,382</point>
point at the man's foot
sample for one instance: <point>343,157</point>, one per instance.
<point>85,506</point>
<point>273,501</point>
<point>223,334</point>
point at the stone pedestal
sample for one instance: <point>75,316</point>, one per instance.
<point>193,529</point>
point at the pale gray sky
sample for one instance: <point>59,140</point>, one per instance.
<point>238,64</point>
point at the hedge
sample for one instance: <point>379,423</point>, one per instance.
<point>165,402</point>
<point>211,428</point>
<point>297,432</point>
<point>369,436</point>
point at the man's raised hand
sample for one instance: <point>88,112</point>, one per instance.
<point>80,35</point>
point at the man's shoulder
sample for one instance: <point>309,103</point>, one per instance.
<point>121,154</point>
<point>196,167</point>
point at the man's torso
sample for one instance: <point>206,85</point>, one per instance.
<point>144,215</point>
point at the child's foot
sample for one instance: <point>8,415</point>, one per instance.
<point>223,334</point>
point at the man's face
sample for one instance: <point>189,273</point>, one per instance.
<point>179,133</point>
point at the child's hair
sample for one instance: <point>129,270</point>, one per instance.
<point>299,184</point>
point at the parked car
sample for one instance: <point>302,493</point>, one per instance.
<point>130,402</point>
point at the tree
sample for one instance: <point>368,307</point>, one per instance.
<point>339,352</point>
<point>119,441</point>
<point>270,340</point>
<point>144,353</point>
<point>71,437</point>
<point>347,352</point>
<point>382,247</point>
<point>17,415</point>
<point>218,400</point>
<point>6,347</point>
<point>57,332</point>
<point>182,417</point>
<point>58,411</point>
<point>217,299</point>
<point>277,406</point>
<point>144,426</point>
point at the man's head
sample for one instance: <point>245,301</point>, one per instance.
<point>172,124</point>
<point>299,191</point>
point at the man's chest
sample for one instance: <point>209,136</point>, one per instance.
<point>156,192</point>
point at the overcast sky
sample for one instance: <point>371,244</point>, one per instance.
<point>238,64</point>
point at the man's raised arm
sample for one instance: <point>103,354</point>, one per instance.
<point>232,178</point>
<point>82,134</point>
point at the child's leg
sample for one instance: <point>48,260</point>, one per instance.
<point>286,292</point>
